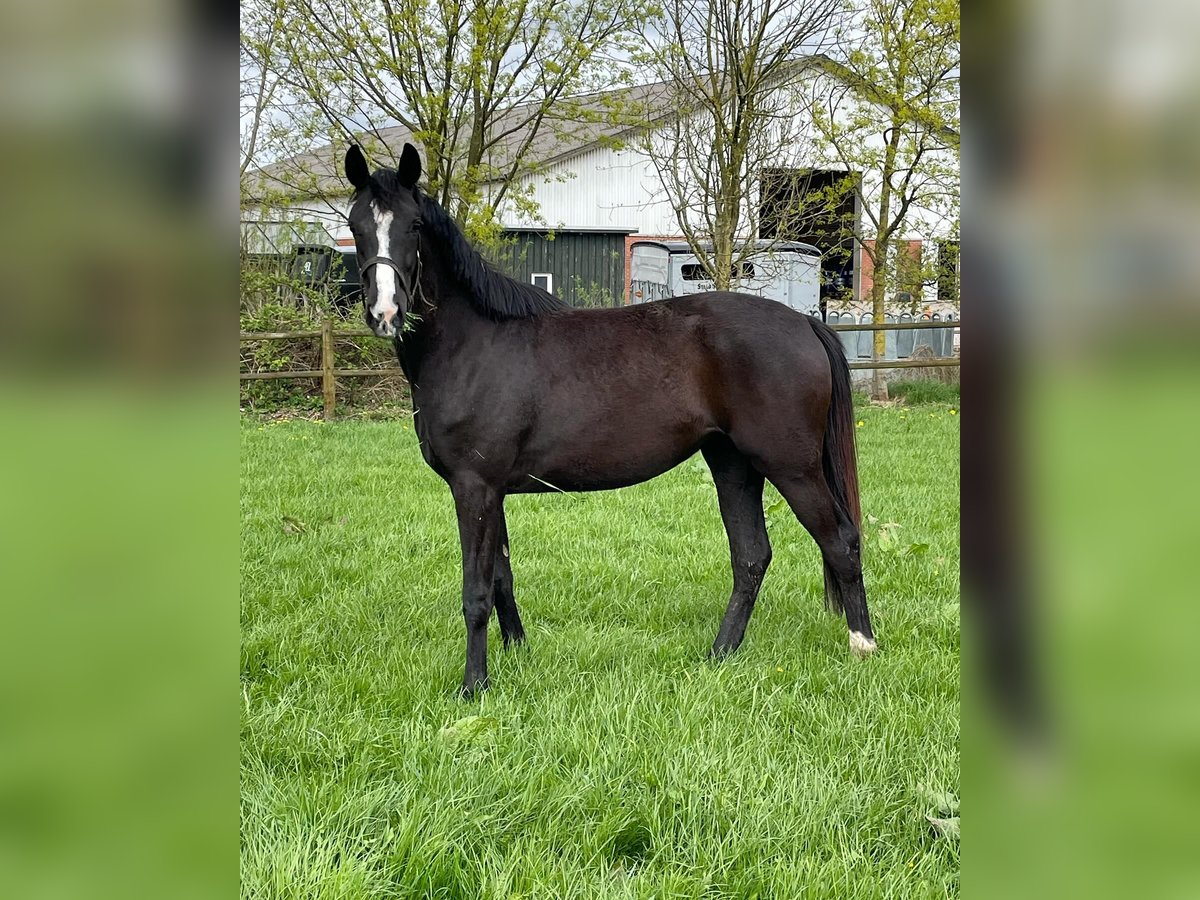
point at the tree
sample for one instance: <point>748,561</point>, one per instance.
<point>256,97</point>
<point>894,119</point>
<point>270,131</point>
<point>730,68</point>
<point>479,83</point>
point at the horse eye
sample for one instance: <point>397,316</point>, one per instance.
<point>416,225</point>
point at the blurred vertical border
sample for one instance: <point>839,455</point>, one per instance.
<point>118,650</point>
<point>118,655</point>
<point>1081,282</point>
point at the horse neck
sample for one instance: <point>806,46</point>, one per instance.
<point>446,317</point>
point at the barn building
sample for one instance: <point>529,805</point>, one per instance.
<point>597,193</point>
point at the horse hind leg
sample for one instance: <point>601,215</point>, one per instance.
<point>833,591</point>
<point>739,493</point>
<point>813,504</point>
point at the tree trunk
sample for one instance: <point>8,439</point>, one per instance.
<point>722,261</point>
<point>724,224</point>
<point>880,275</point>
<point>879,388</point>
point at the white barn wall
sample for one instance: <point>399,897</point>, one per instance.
<point>330,215</point>
<point>601,188</point>
<point>611,188</point>
<point>615,188</point>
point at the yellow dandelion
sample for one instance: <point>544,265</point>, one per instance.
<point>954,412</point>
<point>860,423</point>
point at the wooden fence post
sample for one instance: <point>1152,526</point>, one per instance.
<point>328,387</point>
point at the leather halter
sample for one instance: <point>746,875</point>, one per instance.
<point>410,294</point>
<point>376,260</point>
<point>391,263</point>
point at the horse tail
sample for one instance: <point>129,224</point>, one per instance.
<point>839,457</point>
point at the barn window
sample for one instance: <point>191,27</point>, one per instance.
<point>544,280</point>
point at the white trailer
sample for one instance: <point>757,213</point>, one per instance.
<point>787,271</point>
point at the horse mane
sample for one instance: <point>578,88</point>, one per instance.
<point>492,293</point>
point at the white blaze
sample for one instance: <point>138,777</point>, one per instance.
<point>385,307</point>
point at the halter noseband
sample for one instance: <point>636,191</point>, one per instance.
<point>408,288</point>
<point>376,260</point>
<point>391,263</point>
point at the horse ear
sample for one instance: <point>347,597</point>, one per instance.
<point>409,169</point>
<point>356,167</point>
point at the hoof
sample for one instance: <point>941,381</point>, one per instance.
<point>860,645</point>
<point>517,640</point>
<point>471,688</point>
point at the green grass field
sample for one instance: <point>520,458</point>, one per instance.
<point>613,760</point>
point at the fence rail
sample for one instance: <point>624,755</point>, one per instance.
<point>932,362</point>
<point>329,375</point>
<point>288,335</point>
<point>891,326</point>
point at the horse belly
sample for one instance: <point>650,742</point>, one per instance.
<point>616,452</point>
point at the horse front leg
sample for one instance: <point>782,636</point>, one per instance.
<point>478,506</point>
<point>506,604</point>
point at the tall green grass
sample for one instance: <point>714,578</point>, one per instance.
<point>926,390</point>
<point>613,759</point>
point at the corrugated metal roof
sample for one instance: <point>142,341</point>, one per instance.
<point>555,139</point>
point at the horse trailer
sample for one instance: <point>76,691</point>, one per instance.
<point>787,271</point>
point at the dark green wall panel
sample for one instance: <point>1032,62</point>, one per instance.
<point>588,267</point>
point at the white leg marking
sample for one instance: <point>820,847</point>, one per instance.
<point>860,645</point>
<point>385,307</point>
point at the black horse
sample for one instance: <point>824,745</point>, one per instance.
<point>514,392</point>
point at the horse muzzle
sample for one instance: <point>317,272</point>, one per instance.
<point>387,325</point>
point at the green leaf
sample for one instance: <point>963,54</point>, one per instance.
<point>916,549</point>
<point>887,541</point>
<point>943,802</point>
<point>947,828</point>
<point>469,730</point>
